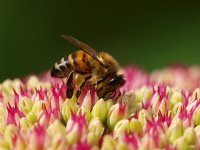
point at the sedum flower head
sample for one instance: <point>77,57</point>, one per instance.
<point>158,110</point>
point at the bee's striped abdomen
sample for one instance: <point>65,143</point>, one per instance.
<point>61,69</point>
<point>80,62</point>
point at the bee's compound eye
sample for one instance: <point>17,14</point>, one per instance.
<point>116,81</point>
<point>57,73</point>
<point>112,81</point>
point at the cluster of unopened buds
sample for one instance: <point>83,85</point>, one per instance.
<point>158,110</point>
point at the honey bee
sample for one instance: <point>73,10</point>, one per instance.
<point>99,69</point>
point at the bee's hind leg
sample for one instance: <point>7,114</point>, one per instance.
<point>78,93</point>
<point>70,84</point>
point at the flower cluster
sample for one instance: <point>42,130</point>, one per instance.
<point>158,110</point>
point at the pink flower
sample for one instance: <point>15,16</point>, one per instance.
<point>135,78</point>
<point>13,112</point>
<point>76,129</point>
<point>82,146</point>
<point>132,140</point>
<point>157,110</point>
<point>39,137</point>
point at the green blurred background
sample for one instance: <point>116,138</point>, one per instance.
<point>148,34</point>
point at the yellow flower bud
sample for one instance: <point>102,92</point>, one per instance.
<point>122,146</point>
<point>177,108</point>
<point>155,103</point>
<point>4,145</point>
<point>143,94</point>
<point>38,107</point>
<point>33,82</point>
<point>163,106</point>
<point>121,126</point>
<point>181,144</point>
<point>116,112</point>
<point>100,110</point>
<point>3,113</point>
<point>175,132</point>
<point>143,115</point>
<point>175,98</point>
<point>109,103</point>
<point>7,87</point>
<point>135,126</point>
<point>58,142</point>
<point>197,144</point>
<point>196,118</point>
<point>147,143</point>
<point>67,107</point>
<point>31,117</point>
<point>2,128</point>
<point>136,107</point>
<point>190,135</point>
<point>197,130</point>
<point>191,147</point>
<point>177,121</point>
<point>10,132</point>
<point>76,129</point>
<point>108,143</point>
<point>56,128</point>
<point>163,140</point>
<point>88,101</point>
<point>95,131</point>
<point>25,105</point>
<point>73,136</point>
<point>85,111</point>
<point>24,124</point>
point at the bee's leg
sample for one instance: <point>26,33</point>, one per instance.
<point>100,80</point>
<point>70,84</point>
<point>78,93</point>
<point>101,89</point>
<point>97,83</point>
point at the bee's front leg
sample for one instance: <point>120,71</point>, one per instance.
<point>70,85</point>
<point>78,93</point>
<point>101,80</point>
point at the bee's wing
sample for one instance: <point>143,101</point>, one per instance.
<point>86,48</point>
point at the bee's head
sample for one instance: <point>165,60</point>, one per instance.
<point>111,84</point>
<point>115,82</point>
